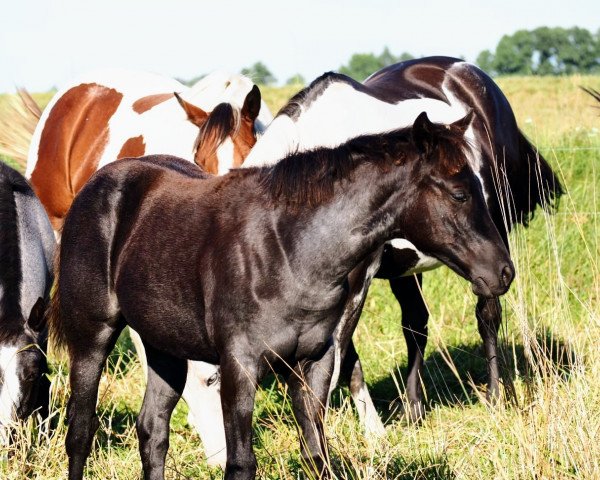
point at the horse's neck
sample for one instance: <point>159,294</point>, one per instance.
<point>339,114</point>
<point>332,238</point>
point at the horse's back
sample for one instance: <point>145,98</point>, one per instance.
<point>30,231</point>
<point>500,143</point>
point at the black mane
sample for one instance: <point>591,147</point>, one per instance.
<point>308,178</point>
<point>10,254</point>
<point>309,94</point>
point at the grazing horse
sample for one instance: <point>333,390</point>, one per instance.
<point>514,177</point>
<point>112,114</point>
<point>252,270</point>
<point>26,256</point>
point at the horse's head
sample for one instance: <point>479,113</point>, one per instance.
<point>22,365</point>
<point>449,217</point>
<point>227,133</point>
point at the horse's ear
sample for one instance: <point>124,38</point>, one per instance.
<point>37,317</point>
<point>251,106</point>
<point>195,114</point>
<point>464,123</point>
<point>423,132</point>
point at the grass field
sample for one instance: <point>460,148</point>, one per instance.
<point>550,337</point>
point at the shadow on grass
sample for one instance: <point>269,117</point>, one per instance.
<point>550,356</point>
<point>396,468</point>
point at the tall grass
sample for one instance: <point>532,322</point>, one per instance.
<point>548,428</point>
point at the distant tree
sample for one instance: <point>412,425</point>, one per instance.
<point>361,65</point>
<point>485,61</point>
<point>296,80</point>
<point>260,74</point>
<point>544,51</point>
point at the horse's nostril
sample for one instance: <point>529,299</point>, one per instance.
<point>507,275</point>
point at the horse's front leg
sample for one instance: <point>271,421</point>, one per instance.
<point>489,316</point>
<point>407,291</point>
<point>309,384</point>
<point>166,380</point>
<point>239,377</point>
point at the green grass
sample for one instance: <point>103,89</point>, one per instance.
<point>549,341</point>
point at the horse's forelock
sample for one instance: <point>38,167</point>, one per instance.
<point>224,121</point>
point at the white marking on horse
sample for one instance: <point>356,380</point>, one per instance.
<point>367,413</point>
<point>10,389</point>
<point>339,114</point>
<point>225,156</point>
<point>424,263</point>
<point>205,413</point>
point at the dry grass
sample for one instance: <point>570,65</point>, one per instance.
<point>549,344</point>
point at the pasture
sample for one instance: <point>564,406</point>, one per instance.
<point>548,427</point>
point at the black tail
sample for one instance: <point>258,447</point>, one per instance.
<point>594,93</point>
<point>534,184</point>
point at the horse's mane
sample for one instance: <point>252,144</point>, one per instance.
<point>10,254</point>
<point>309,178</point>
<point>293,108</point>
<point>222,122</point>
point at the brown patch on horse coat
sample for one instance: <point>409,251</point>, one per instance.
<point>146,103</point>
<point>243,142</point>
<point>133,147</point>
<point>72,141</point>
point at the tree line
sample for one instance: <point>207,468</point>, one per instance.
<point>542,51</point>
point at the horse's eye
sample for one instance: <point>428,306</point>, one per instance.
<point>459,196</point>
<point>212,379</point>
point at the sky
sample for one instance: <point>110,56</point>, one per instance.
<point>44,43</point>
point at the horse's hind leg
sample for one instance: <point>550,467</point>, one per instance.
<point>352,374</point>
<point>166,380</point>
<point>414,326</point>
<point>86,363</point>
<point>489,316</point>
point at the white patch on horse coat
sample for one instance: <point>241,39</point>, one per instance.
<point>205,413</point>
<point>10,390</point>
<point>339,114</point>
<point>424,263</point>
<point>278,140</point>
<point>225,156</point>
<point>367,413</point>
<point>355,303</point>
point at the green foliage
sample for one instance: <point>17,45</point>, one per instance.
<point>260,74</point>
<point>361,65</point>
<point>544,51</point>
<point>296,80</point>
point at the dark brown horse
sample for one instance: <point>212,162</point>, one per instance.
<point>514,177</point>
<point>253,270</point>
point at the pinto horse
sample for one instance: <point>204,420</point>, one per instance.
<point>514,177</point>
<point>256,274</point>
<point>26,255</point>
<point>111,114</point>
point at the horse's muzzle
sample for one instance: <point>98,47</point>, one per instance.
<point>494,286</point>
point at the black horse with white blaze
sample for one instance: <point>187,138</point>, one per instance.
<point>26,255</point>
<point>253,270</point>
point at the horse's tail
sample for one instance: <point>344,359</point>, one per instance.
<point>56,328</point>
<point>538,184</point>
<point>17,124</point>
<point>595,94</point>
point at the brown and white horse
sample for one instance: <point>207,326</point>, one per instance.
<point>111,114</point>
